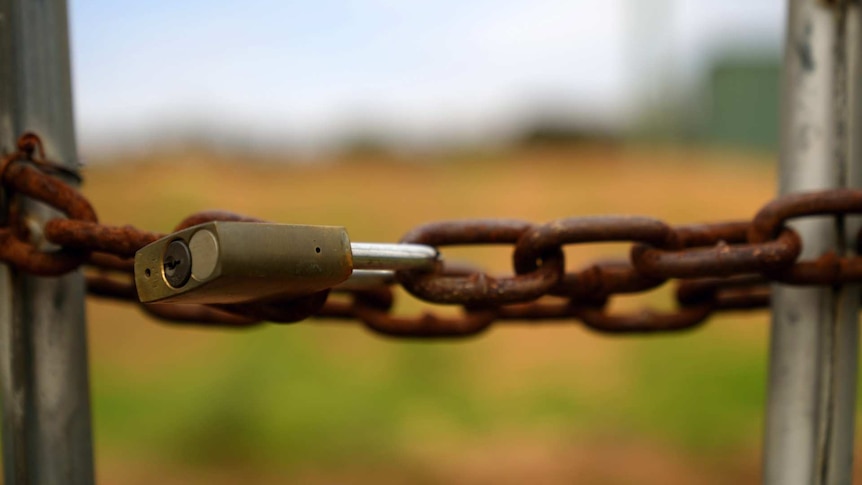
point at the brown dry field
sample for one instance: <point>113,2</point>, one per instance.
<point>379,200</point>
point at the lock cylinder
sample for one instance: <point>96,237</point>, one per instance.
<point>177,263</point>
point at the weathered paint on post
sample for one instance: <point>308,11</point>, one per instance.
<point>813,349</point>
<point>43,347</point>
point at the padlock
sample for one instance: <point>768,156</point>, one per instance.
<point>234,262</point>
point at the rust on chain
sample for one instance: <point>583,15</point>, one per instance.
<point>829,268</point>
<point>380,298</point>
<point>426,325</point>
<point>121,241</point>
<point>109,262</point>
<point>595,283</point>
<point>740,292</point>
<point>754,298</point>
<point>598,319</point>
<point>723,266</point>
<point>198,314</point>
<point>598,281</point>
<point>539,310</point>
<point>551,237</point>
<point>106,287</point>
<point>373,307</point>
<point>699,235</point>
<point>645,321</point>
<point>715,250</point>
<point>282,311</point>
<point>25,180</point>
<point>479,288</point>
<point>31,149</point>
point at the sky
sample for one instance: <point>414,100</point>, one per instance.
<point>304,73</point>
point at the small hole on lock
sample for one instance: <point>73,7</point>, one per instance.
<point>317,250</point>
<point>147,272</point>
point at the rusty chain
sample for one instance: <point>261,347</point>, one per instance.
<point>722,266</point>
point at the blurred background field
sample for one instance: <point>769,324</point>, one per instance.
<point>380,116</point>
<point>328,402</point>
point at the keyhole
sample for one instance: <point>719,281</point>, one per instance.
<point>177,263</point>
<point>171,264</point>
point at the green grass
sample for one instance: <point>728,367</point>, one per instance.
<point>696,393</point>
<point>271,398</point>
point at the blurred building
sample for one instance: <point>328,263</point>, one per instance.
<point>742,96</point>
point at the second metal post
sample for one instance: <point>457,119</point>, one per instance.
<point>814,341</point>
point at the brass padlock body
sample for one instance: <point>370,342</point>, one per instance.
<point>234,262</point>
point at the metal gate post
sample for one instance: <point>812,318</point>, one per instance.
<point>814,341</point>
<point>43,346</point>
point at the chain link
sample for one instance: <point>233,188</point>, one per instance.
<point>724,266</point>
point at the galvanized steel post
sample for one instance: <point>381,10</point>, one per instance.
<point>43,346</point>
<point>814,341</point>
